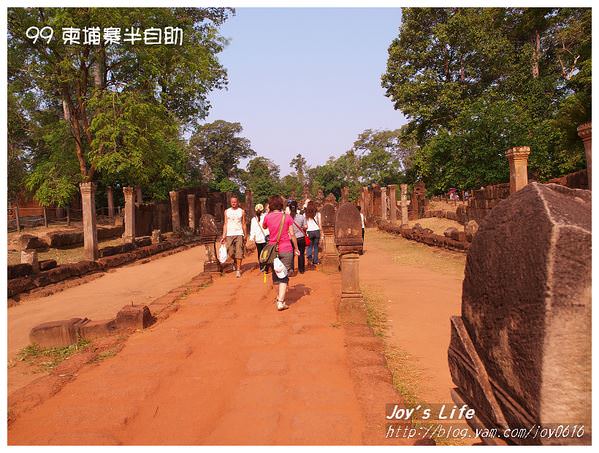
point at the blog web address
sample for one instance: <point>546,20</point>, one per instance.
<point>450,421</point>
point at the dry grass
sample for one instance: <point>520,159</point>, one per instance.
<point>411,253</point>
<point>62,256</point>
<point>407,376</point>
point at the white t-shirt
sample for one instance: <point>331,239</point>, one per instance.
<point>362,218</point>
<point>257,233</point>
<point>234,219</point>
<point>314,224</point>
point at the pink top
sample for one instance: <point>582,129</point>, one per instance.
<point>272,222</point>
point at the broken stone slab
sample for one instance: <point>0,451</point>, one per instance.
<point>56,334</point>
<point>31,242</point>
<point>91,330</point>
<point>134,317</point>
<point>449,232</point>
<point>520,354</point>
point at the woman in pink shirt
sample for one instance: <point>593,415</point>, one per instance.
<point>272,221</point>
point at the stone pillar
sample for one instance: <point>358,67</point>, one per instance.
<point>518,158</point>
<point>176,219</point>
<point>88,208</point>
<point>350,278</point>
<point>404,204</point>
<point>155,236</point>
<point>249,205</point>
<point>138,196</point>
<point>109,196</point>
<point>191,209</point>
<point>129,234</point>
<point>392,202</point>
<point>384,203</point>
<point>203,206</point>
<point>219,212</point>
<point>584,132</point>
<point>29,256</point>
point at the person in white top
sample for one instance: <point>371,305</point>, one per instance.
<point>363,224</point>
<point>235,233</point>
<point>313,231</point>
<point>258,234</point>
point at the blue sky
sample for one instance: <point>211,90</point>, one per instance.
<point>306,80</point>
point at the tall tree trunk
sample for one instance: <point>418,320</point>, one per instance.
<point>536,53</point>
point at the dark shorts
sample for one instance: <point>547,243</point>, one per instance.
<point>287,259</point>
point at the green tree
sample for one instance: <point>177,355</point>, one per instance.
<point>123,105</point>
<point>476,81</point>
<point>262,178</point>
<point>216,150</point>
<point>300,165</point>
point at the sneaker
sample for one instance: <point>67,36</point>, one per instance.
<point>282,306</point>
<point>238,274</point>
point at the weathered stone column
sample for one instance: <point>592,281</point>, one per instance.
<point>392,202</point>
<point>191,209</point>
<point>138,195</point>
<point>330,256</point>
<point>219,212</point>
<point>384,203</point>
<point>88,208</point>
<point>129,234</point>
<point>109,196</point>
<point>203,206</point>
<point>175,218</point>
<point>404,204</point>
<point>518,158</point>
<point>29,256</point>
<point>584,132</point>
<point>155,236</point>
<point>348,239</point>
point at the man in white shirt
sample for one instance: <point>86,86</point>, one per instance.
<point>234,233</point>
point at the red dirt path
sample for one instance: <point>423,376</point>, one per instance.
<point>227,368</point>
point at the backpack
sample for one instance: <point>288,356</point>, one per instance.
<point>271,251</point>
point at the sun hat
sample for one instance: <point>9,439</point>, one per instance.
<point>259,207</point>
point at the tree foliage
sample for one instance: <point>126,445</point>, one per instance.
<point>474,82</point>
<point>123,105</point>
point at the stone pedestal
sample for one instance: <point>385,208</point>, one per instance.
<point>155,236</point>
<point>90,233</point>
<point>350,278</point>
<point>518,158</point>
<point>30,257</point>
<point>138,195</point>
<point>384,203</point>
<point>330,258</point>
<point>348,239</point>
<point>392,202</point>
<point>110,198</point>
<point>129,234</point>
<point>584,132</point>
<point>191,210</point>
<point>208,235</point>
<point>175,218</point>
<point>404,204</point>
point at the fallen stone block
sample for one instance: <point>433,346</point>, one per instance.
<point>46,265</point>
<point>96,329</point>
<point>134,317</point>
<point>449,232</point>
<point>19,270</point>
<point>143,241</point>
<point>19,285</point>
<point>116,249</point>
<point>56,334</point>
<point>31,242</point>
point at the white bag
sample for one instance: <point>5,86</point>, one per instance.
<point>279,268</point>
<point>222,253</point>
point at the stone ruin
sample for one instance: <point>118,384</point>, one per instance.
<point>520,354</point>
<point>348,239</point>
<point>208,236</point>
<point>330,259</point>
<point>418,201</point>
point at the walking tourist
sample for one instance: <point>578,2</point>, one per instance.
<point>299,228</point>
<point>235,233</point>
<point>363,223</point>
<point>258,234</point>
<point>280,226</point>
<point>313,230</point>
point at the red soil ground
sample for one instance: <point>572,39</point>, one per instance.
<point>227,368</point>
